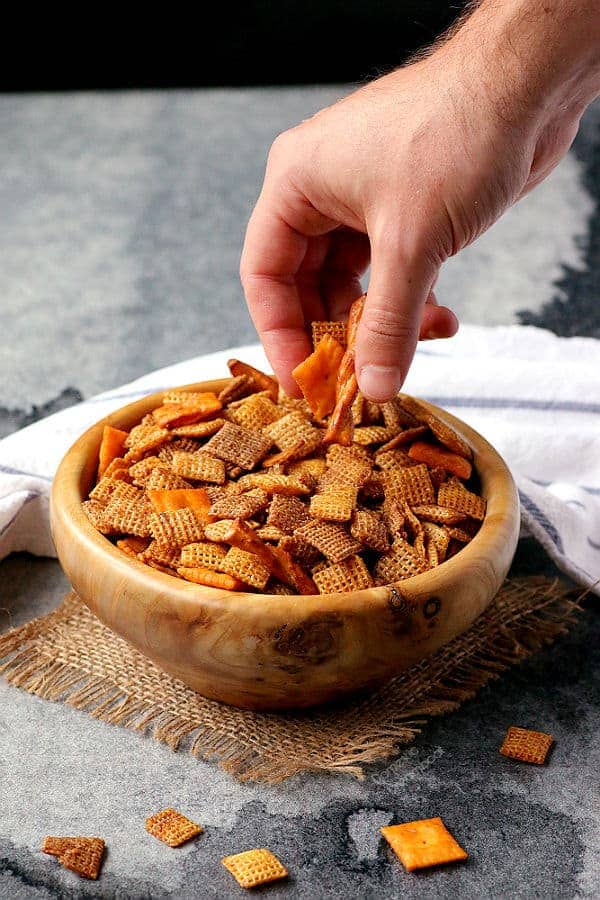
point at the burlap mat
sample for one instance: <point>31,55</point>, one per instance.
<point>69,656</point>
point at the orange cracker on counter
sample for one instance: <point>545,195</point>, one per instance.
<point>424,843</point>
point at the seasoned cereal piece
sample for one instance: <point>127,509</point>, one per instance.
<point>202,553</point>
<point>237,387</point>
<point>259,380</point>
<point>272,483</point>
<point>301,551</point>
<point>270,533</point>
<point>118,469</point>
<point>334,505</point>
<point>133,546</point>
<point>167,452</point>
<point>292,429</point>
<point>246,567</point>
<point>287,513</point>
<point>198,430</point>
<point>277,560</point>
<point>404,437</point>
<point>199,467</point>
<point>255,412</point>
<point>82,855</point>
<point>369,529</point>
<point>336,330</point>
<point>526,746</point>
<point>110,488</point>
<point>164,480</point>
<point>144,438</point>
<point>392,460</point>
<point>238,445</point>
<point>240,506</point>
<point>402,561</point>
<point>421,844</point>
<point>254,867</point>
<point>163,554</point>
<point>448,437</point>
<point>412,485</point>
<point>128,516</point>
<point>176,527</point>
<point>371,434</point>
<point>332,540</point>
<point>313,467</point>
<point>438,514</point>
<point>349,575</point>
<point>174,416</point>
<point>172,827</point>
<point>453,495</point>
<point>94,510</point>
<point>439,537</point>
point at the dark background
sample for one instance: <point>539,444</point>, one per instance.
<point>259,42</point>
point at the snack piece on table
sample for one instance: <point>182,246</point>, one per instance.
<point>82,855</point>
<point>255,867</point>
<point>526,746</point>
<point>172,827</point>
<point>424,843</point>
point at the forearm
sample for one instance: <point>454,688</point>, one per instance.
<point>545,53</point>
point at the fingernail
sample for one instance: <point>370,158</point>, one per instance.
<point>431,335</point>
<point>379,383</point>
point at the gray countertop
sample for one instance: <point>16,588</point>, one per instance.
<point>122,221</point>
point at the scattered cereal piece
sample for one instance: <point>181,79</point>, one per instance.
<point>334,505</point>
<point>453,495</point>
<point>254,867</point>
<point>526,746</point>
<point>82,855</point>
<point>172,827</point>
<point>424,843</point>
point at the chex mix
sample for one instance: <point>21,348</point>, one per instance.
<point>252,490</point>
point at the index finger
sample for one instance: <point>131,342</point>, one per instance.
<point>272,255</point>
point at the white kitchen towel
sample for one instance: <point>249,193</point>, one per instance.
<point>534,396</point>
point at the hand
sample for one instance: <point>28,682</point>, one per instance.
<point>403,173</point>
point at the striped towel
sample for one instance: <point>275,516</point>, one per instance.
<point>534,396</point>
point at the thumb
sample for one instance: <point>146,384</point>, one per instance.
<point>391,321</point>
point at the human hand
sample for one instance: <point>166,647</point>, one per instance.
<point>404,173</point>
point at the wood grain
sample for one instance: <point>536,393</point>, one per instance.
<point>276,652</point>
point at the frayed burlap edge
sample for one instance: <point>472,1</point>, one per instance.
<point>69,656</point>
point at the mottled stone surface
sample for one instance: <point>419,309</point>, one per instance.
<point>123,219</point>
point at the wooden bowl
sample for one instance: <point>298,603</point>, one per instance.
<point>275,652</point>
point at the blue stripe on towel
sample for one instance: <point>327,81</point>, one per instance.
<point>29,496</point>
<point>542,520</point>
<point>513,403</point>
<point>9,470</point>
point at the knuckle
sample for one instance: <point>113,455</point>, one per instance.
<point>388,324</point>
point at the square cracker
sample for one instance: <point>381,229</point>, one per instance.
<point>424,843</point>
<point>526,746</point>
<point>240,446</point>
<point>82,855</point>
<point>172,827</point>
<point>254,867</point>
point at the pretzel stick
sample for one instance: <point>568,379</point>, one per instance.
<point>341,426</point>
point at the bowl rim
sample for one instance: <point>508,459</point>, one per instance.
<point>67,497</point>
